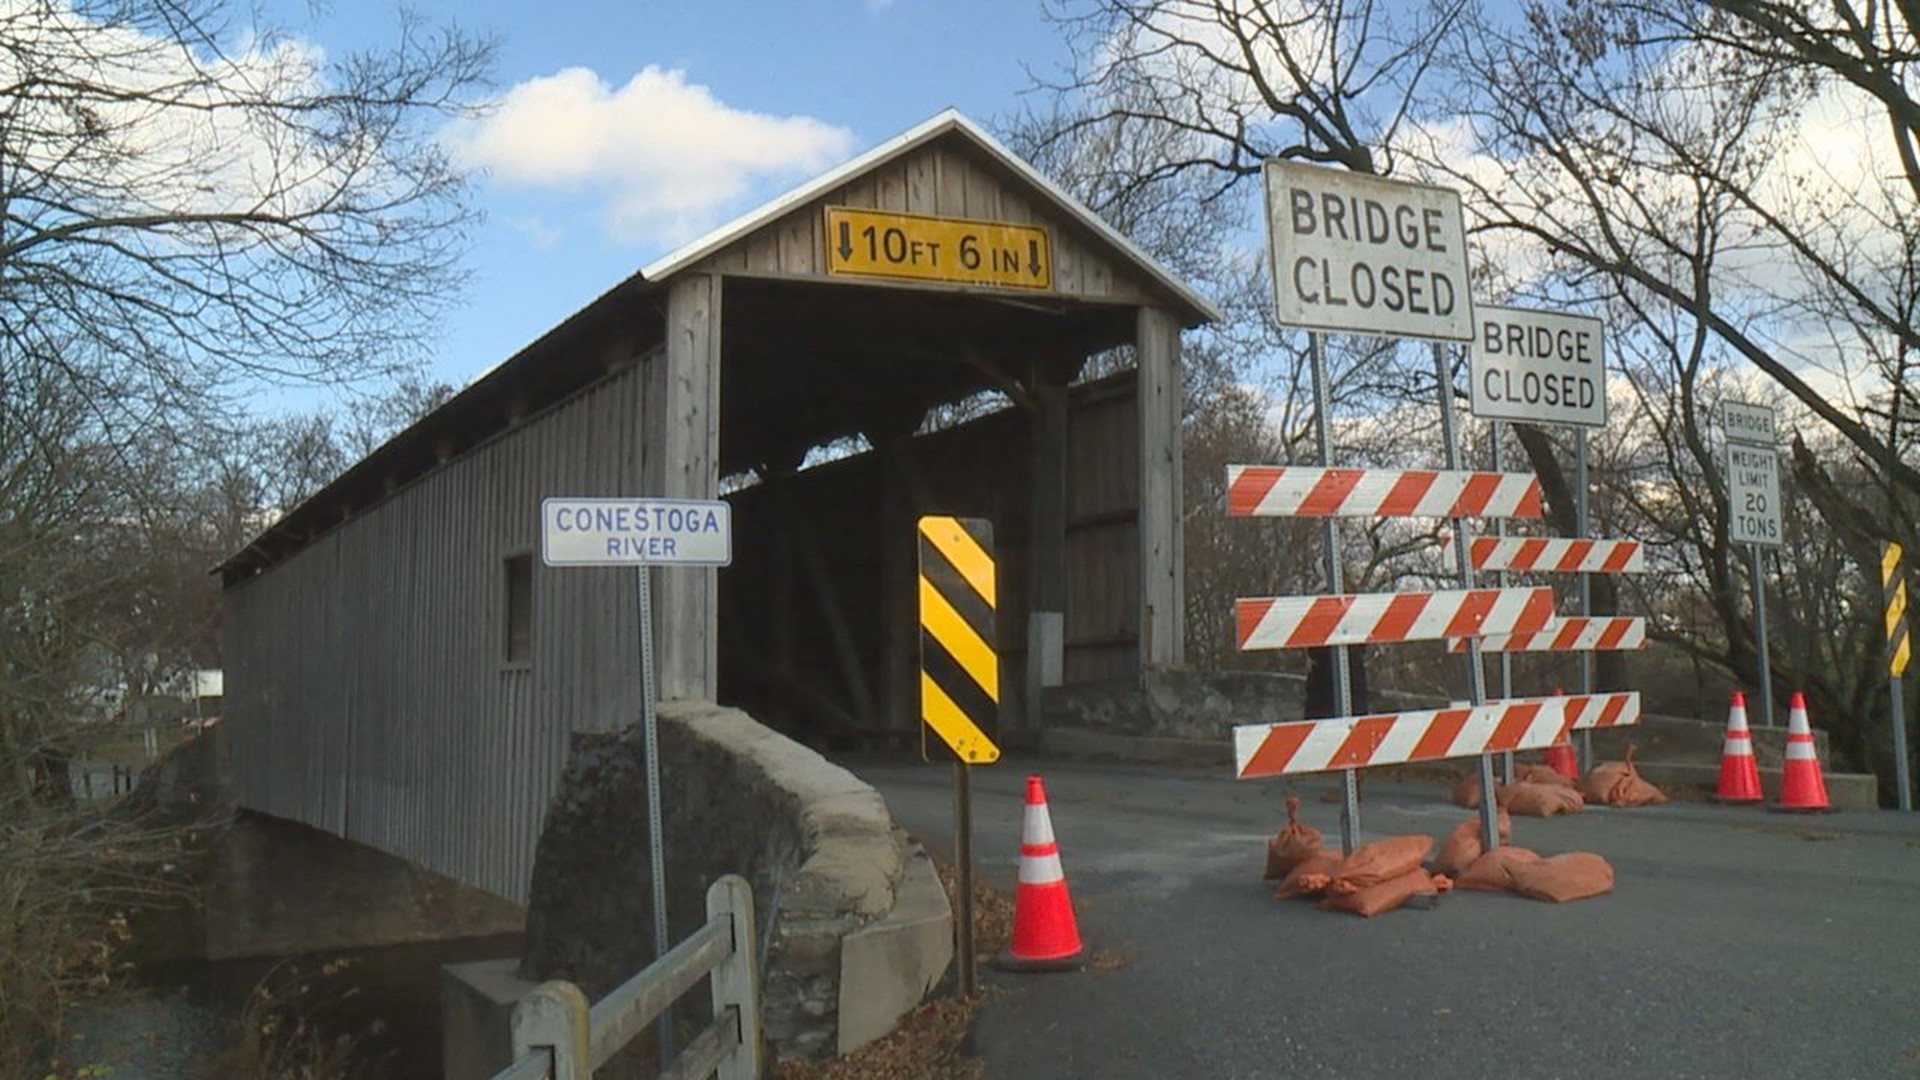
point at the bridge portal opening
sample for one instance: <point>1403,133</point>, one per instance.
<point>847,412</point>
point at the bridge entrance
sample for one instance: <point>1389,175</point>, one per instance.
<point>913,332</point>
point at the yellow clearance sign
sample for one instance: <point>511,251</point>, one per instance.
<point>867,243</point>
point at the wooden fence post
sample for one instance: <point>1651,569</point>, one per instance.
<point>554,1018</point>
<point>736,981</point>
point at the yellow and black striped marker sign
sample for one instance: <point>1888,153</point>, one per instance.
<point>959,668</point>
<point>1893,580</point>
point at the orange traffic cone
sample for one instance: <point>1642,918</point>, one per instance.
<point>1045,936</point>
<point>1801,785</point>
<point>1559,756</point>
<point>1739,773</point>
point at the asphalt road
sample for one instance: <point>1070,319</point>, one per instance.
<point>1736,943</point>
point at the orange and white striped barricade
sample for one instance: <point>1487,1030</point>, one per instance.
<point>1315,492</point>
<point>1573,633</point>
<point>1562,555</point>
<point>1301,622</point>
<point>1357,742</point>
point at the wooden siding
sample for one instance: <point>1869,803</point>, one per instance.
<point>941,179</point>
<point>1103,558</point>
<point>367,691</point>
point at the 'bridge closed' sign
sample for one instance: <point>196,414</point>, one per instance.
<point>1364,255</point>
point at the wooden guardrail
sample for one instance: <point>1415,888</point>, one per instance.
<point>557,1035</point>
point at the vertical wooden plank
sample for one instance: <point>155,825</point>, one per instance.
<point>731,257</point>
<point>1157,343</point>
<point>899,585</point>
<point>949,183</point>
<point>763,252</point>
<point>685,433</point>
<point>890,186</point>
<point>859,192</point>
<point>476,588</point>
<point>1098,279</point>
<point>1013,207</point>
<point>982,191</point>
<point>799,242</point>
<point>923,177</point>
<point>1068,261</point>
<point>414,700</point>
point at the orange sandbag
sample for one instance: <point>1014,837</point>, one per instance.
<point>1542,800</point>
<point>1600,780</point>
<point>1541,774</point>
<point>1466,793</point>
<point>1309,876</point>
<point>1292,844</point>
<point>1576,875</point>
<point>1619,784</point>
<point>1493,872</point>
<point>1386,895</point>
<point>1371,864</point>
<point>1463,845</point>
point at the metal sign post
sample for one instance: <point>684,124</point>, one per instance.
<point>1500,582</point>
<point>1336,583</point>
<point>1476,670</point>
<point>963,874</point>
<point>1580,531</point>
<point>1759,582</point>
<point>1893,582</point>
<point>656,840</point>
<point>641,533</point>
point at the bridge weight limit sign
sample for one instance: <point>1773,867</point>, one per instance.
<point>1753,513</point>
<point>641,533</point>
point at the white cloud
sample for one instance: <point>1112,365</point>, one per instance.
<point>158,126</point>
<point>665,155</point>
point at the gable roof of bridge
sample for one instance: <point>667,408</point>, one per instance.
<point>1190,305</point>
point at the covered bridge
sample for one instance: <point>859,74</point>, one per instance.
<point>404,673</point>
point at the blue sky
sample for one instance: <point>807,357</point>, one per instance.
<point>627,128</point>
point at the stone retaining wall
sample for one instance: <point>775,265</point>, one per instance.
<point>817,843</point>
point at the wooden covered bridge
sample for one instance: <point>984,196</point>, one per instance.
<point>402,671</point>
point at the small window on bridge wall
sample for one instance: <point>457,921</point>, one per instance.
<point>518,641</point>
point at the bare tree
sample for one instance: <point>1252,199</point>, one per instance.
<point>183,205</point>
<point>192,207</point>
<point>1648,158</point>
<point>1588,118</point>
<point>1167,111</point>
